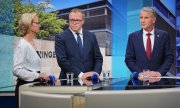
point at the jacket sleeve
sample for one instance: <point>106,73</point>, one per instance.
<point>130,56</point>
<point>168,56</point>
<point>19,69</point>
<point>97,57</point>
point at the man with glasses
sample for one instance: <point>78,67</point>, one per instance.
<point>77,49</point>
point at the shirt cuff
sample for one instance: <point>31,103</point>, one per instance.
<point>36,75</point>
<point>80,75</point>
<point>80,81</point>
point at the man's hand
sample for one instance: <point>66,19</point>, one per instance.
<point>155,74</point>
<point>89,74</point>
<point>87,82</point>
<point>152,76</point>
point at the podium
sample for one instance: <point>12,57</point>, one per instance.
<point>113,92</point>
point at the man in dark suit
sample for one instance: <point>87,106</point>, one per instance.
<point>149,48</point>
<point>77,49</point>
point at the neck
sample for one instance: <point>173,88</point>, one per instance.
<point>149,29</point>
<point>29,36</point>
<point>75,30</point>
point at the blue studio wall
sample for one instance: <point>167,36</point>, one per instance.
<point>6,45</point>
<point>125,20</point>
<point>119,37</point>
<point>6,52</point>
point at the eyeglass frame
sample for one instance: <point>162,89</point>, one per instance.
<point>77,21</point>
<point>36,23</point>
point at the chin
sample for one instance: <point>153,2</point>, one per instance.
<point>75,30</point>
<point>144,27</point>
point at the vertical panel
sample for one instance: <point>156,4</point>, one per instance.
<point>6,45</point>
<point>119,38</point>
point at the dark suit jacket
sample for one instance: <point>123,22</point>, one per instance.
<point>161,57</point>
<point>69,57</point>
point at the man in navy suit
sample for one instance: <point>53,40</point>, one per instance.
<point>77,49</point>
<point>149,48</point>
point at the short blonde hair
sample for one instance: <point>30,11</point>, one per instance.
<point>25,22</point>
<point>78,10</point>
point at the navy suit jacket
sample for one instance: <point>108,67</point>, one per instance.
<point>161,58</point>
<point>69,57</point>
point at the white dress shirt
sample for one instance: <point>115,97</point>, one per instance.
<point>26,61</point>
<point>151,37</point>
<point>75,35</point>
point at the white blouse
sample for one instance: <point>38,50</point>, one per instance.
<point>26,61</point>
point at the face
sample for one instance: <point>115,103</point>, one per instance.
<point>35,25</point>
<point>76,21</point>
<point>147,20</point>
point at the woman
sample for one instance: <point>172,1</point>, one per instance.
<point>27,62</point>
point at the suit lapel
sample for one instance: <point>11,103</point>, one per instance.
<point>73,42</point>
<point>85,42</point>
<point>156,41</point>
<point>141,43</point>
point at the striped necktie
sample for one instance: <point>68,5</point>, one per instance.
<point>79,41</point>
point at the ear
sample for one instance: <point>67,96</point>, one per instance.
<point>154,20</point>
<point>82,22</point>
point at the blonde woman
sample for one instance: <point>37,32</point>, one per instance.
<point>27,61</point>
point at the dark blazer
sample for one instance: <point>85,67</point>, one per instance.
<point>161,58</point>
<point>69,57</point>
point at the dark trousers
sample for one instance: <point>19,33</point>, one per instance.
<point>19,83</point>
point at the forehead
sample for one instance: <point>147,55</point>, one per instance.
<point>75,15</point>
<point>146,13</point>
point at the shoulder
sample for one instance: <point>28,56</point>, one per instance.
<point>63,34</point>
<point>22,43</point>
<point>88,33</point>
<point>22,46</point>
<point>135,34</point>
<point>164,35</point>
<point>161,31</point>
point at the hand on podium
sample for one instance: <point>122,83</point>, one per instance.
<point>90,75</point>
<point>151,76</point>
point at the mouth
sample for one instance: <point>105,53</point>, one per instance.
<point>143,24</point>
<point>74,26</point>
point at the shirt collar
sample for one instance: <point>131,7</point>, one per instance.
<point>80,32</point>
<point>145,32</point>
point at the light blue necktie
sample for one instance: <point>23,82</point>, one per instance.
<point>79,41</point>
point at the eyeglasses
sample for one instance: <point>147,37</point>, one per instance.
<point>77,21</point>
<point>36,23</point>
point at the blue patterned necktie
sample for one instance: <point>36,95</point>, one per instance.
<point>79,41</point>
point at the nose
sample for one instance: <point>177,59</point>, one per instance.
<point>142,20</point>
<point>74,22</point>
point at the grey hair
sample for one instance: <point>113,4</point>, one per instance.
<point>149,9</point>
